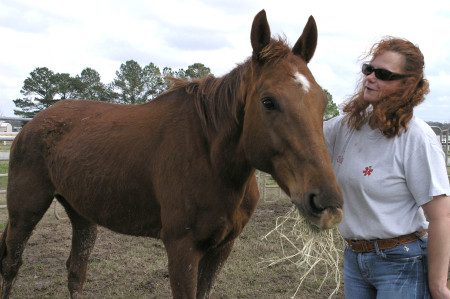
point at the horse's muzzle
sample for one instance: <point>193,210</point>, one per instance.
<point>325,212</point>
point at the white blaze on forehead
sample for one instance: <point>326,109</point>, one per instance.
<point>299,78</point>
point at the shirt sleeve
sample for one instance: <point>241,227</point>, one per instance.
<point>425,169</point>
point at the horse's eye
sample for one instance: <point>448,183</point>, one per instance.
<point>269,103</point>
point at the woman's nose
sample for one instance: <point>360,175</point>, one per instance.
<point>371,77</point>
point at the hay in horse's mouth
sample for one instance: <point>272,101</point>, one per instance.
<point>307,247</point>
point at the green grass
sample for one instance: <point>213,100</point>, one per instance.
<point>5,147</point>
<point>4,164</point>
<point>3,169</point>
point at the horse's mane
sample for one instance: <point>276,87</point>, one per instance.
<point>218,100</point>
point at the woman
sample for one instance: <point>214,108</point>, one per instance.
<point>391,169</point>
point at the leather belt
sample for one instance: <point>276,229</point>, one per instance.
<point>363,246</point>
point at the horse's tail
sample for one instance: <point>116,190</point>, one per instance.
<point>3,247</point>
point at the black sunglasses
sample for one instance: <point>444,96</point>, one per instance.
<point>381,74</point>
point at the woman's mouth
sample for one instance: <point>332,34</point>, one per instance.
<point>370,89</point>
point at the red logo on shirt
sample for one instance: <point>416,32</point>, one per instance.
<point>368,171</point>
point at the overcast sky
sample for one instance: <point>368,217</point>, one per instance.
<point>68,36</point>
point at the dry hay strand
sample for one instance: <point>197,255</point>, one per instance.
<point>308,248</point>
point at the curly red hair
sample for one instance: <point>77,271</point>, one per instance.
<point>392,113</point>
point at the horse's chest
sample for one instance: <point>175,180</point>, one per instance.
<point>219,231</point>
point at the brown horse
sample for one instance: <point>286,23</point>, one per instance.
<point>179,168</point>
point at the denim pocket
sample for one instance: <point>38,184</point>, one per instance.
<point>405,253</point>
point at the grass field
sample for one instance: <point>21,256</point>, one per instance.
<point>3,169</point>
<point>4,165</point>
<point>5,147</point>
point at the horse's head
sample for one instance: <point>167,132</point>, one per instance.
<point>283,124</point>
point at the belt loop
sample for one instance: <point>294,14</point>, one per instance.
<point>377,249</point>
<point>422,238</point>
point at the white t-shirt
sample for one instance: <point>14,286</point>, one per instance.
<point>385,180</point>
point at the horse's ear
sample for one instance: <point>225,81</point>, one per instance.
<point>306,44</point>
<point>260,35</point>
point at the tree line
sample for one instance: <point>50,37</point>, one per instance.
<point>132,84</point>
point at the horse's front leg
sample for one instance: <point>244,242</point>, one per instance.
<point>183,267</point>
<point>209,267</point>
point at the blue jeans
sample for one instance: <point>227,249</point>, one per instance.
<point>399,272</point>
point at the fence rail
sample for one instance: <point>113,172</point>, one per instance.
<point>16,118</point>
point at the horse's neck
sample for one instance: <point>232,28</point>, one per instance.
<point>226,130</point>
<point>228,157</point>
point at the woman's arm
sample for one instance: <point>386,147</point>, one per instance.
<point>438,214</point>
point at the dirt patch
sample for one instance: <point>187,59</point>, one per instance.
<point>132,267</point>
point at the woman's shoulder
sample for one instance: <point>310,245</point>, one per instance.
<point>336,118</point>
<point>418,126</point>
<point>420,130</point>
<point>334,126</point>
<point>335,121</point>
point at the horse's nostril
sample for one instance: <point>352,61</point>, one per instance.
<point>312,198</point>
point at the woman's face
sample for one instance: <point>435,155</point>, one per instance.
<point>374,88</point>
